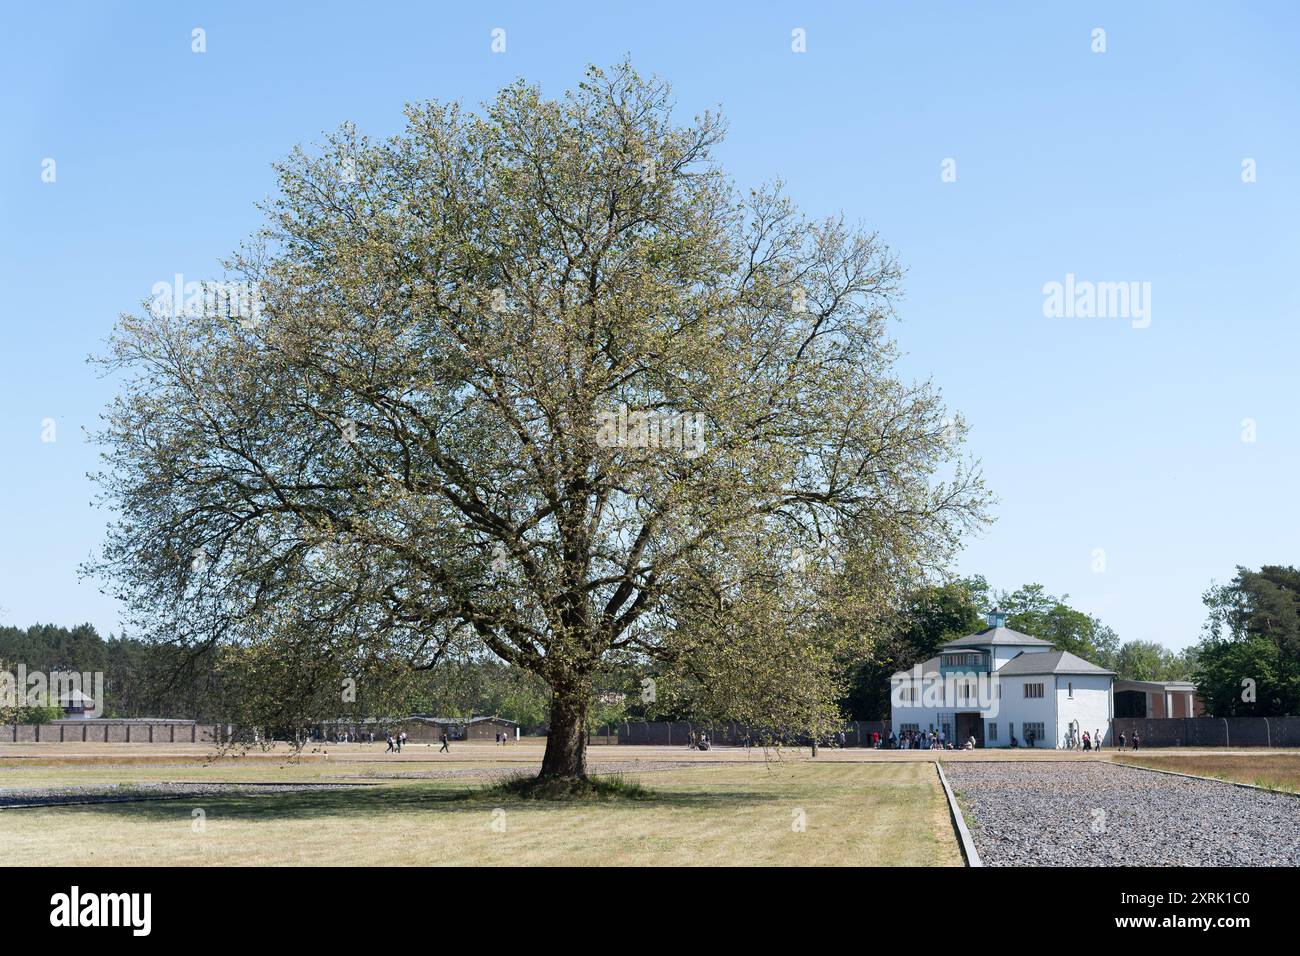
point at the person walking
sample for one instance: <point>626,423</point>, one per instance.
<point>1096,739</point>
<point>444,749</point>
<point>1136,740</point>
<point>391,748</point>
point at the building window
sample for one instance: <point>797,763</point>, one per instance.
<point>1033,690</point>
<point>905,728</point>
<point>993,731</point>
<point>1036,730</point>
<point>1069,687</point>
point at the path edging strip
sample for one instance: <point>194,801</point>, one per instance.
<point>964,839</point>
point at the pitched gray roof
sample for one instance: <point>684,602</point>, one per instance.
<point>1000,636</point>
<point>1049,662</point>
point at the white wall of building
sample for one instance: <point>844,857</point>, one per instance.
<point>1008,706</point>
<point>1085,698</point>
<point>928,718</point>
<point>1091,705</point>
<point>1015,710</point>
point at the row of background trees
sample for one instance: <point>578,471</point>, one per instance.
<point>1252,633</point>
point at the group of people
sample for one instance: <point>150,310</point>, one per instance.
<point>919,740</point>
<point>1074,741</point>
<point>931,740</point>
<point>396,741</point>
<point>697,741</point>
<point>1123,740</point>
<point>344,737</point>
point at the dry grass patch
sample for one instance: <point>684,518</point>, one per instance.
<point>1275,771</point>
<point>756,813</point>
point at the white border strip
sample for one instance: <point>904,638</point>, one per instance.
<point>963,834</point>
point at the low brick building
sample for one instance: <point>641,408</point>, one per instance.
<point>1154,699</point>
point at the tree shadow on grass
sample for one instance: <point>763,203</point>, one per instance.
<point>380,800</point>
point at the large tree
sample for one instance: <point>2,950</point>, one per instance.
<point>542,379</point>
<point>931,614</point>
<point>1031,610</point>
<point>1248,663</point>
<point>1151,660</point>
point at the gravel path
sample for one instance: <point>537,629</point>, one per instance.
<point>15,798</point>
<point>1097,813</point>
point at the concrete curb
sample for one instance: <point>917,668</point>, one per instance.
<point>1192,776</point>
<point>964,838</point>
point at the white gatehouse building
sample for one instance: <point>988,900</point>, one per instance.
<point>1004,689</point>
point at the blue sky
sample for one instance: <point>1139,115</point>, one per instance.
<point>1117,166</point>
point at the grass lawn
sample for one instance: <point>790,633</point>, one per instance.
<point>739,813</point>
<point>1275,771</point>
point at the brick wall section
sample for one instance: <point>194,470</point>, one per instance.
<point>109,731</point>
<point>1155,732</point>
<point>672,733</point>
<point>1211,731</point>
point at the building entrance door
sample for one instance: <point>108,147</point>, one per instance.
<point>970,725</point>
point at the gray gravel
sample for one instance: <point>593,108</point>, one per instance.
<point>15,798</point>
<point>1097,813</point>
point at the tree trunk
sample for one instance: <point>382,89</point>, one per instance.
<point>566,738</point>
